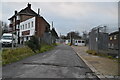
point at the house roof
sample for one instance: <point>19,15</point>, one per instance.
<point>114,33</point>
<point>54,33</point>
<point>26,11</point>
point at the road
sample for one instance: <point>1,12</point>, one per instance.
<point>62,62</point>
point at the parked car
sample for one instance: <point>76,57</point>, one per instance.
<point>7,39</point>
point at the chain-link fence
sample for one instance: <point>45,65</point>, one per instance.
<point>104,40</point>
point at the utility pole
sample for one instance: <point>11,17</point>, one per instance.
<point>60,38</point>
<point>105,30</point>
<point>70,39</point>
<point>51,34</point>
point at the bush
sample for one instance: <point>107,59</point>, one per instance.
<point>110,57</point>
<point>12,55</point>
<point>46,47</point>
<point>54,44</point>
<point>33,43</point>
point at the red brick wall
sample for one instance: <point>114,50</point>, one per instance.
<point>41,25</point>
<point>25,17</point>
<point>22,18</point>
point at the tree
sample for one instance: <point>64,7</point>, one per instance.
<point>85,37</point>
<point>73,35</point>
<point>63,37</point>
<point>85,34</point>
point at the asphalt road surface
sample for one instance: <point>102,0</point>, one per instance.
<point>62,62</point>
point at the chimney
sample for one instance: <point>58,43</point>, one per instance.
<point>29,6</point>
<point>38,11</point>
<point>15,12</point>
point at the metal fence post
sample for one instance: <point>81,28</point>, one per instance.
<point>119,52</point>
<point>98,40</point>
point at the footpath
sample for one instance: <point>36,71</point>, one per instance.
<point>104,68</point>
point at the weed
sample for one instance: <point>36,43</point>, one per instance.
<point>91,52</point>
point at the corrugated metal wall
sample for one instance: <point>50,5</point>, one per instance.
<point>98,41</point>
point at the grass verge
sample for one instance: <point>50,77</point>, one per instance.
<point>92,52</point>
<point>13,55</point>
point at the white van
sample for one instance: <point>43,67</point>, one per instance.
<point>67,41</point>
<point>8,38</point>
<point>79,43</point>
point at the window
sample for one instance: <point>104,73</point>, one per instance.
<point>83,42</point>
<point>25,26</point>
<point>112,45</point>
<point>109,44</point>
<point>79,41</point>
<point>28,25</point>
<point>27,38</point>
<point>115,37</point>
<point>32,24</point>
<point>21,27</point>
<point>14,20</point>
<point>68,40</point>
<point>7,37</point>
<point>18,17</point>
<point>111,38</point>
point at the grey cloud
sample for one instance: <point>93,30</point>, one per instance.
<point>69,16</point>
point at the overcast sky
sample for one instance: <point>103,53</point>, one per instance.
<point>70,16</point>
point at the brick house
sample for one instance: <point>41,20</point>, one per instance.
<point>27,23</point>
<point>113,43</point>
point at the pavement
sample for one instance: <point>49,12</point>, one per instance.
<point>104,68</point>
<point>61,62</point>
